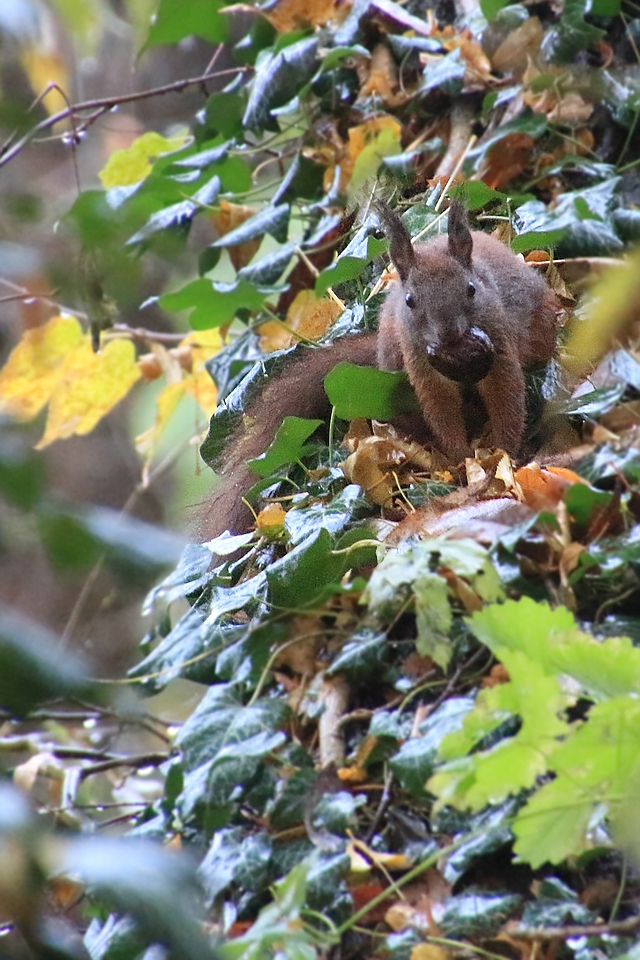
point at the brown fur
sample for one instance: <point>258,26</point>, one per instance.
<point>511,310</point>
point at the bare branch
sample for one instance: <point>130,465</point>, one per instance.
<point>104,105</point>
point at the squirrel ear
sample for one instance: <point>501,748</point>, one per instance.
<point>460,240</point>
<point>401,247</point>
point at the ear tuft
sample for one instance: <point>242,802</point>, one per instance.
<point>460,239</point>
<point>402,252</point>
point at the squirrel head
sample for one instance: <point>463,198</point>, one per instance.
<point>443,300</point>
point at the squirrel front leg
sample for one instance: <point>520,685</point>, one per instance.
<point>504,394</point>
<point>440,402</point>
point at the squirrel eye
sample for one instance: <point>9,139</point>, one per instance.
<point>410,301</point>
<point>471,289</point>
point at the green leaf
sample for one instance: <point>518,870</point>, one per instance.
<point>476,914</point>
<point>154,887</point>
<point>201,18</point>
<point>491,8</point>
<point>413,763</point>
<point>583,502</point>
<point>349,266</point>
<point>213,304</point>
<point>572,34</point>
<point>279,76</point>
<point>308,573</point>
<point>288,445</point>
<point>367,392</point>
<point>272,220</point>
<point>537,240</point>
<point>474,194</point>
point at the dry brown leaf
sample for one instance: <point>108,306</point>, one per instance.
<point>382,79</point>
<point>230,216</point>
<point>429,951</point>
<point>288,15</point>
<point>498,674</point>
<point>478,65</point>
<point>519,48</point>
<point>308,316</point>
<point>363,467</point>
<point>571,109</point>
<point>508,159</point>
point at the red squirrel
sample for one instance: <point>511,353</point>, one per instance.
<point>464,310</point>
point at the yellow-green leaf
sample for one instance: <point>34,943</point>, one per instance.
<point>126,167</point>
<point>30,375</point>
<point>89,386</point>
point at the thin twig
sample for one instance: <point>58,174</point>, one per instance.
<point>621,927</point>
<point>104,104</point>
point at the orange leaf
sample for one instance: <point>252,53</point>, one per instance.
<point>230,216</point>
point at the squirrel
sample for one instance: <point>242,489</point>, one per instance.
<point>465,318</point>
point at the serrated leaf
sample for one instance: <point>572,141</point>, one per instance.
<point>31,374</point>
<point>213,304</point>
<point>89,386</point>
<point>414,761</point>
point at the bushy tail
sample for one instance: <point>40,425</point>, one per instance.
<point>296,391</point>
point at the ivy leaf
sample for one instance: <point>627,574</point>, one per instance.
<point>572,34</point>
<point>272,220</point>
<point>368,392</point>
<point>350,264</point>
<point>278,78</point>
<point>308,573</point>
<point>287,446</point>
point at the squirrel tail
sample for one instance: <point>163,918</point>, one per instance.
<point>298,390</point>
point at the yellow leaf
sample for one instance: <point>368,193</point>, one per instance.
<point>126,167</point>
<point>44,67</point>
<point>369,143</point>
<point>89,386</point>
<point>429,951</point>
<point>31,373</point>
<point>270,516</point>
<point>166,403</point>
<point>204,345</point>
<point>308,315</point>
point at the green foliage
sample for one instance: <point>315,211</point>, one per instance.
<point>551,663</point>
<point>356,391</point>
